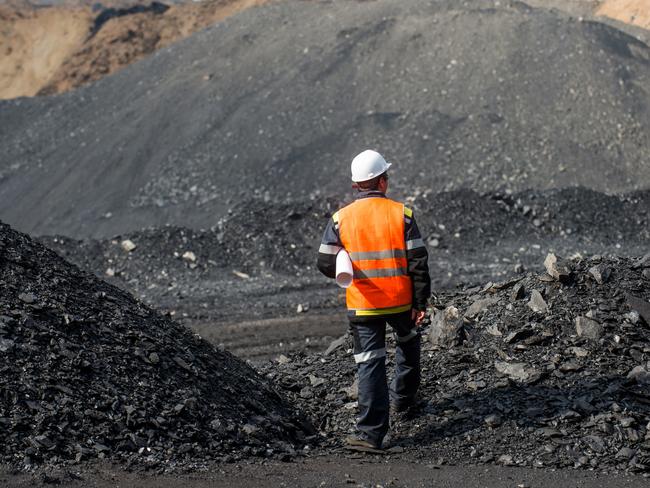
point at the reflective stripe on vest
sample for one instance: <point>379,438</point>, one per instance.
<point>372,232</point>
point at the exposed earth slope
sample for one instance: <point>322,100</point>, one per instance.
<point>635,12</point>
<point>547,102</point>
<point>56,48</point>
<point>127,39</point>
<point>30,31</point>
<point>34,43</point>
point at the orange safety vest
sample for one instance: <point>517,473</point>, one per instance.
<point>372,232</point>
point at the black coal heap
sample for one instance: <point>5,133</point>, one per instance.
<point>87,371</point>
<point>549,370</point>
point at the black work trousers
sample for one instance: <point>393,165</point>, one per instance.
<point>370,355</point>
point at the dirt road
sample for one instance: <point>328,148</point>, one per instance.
<point>259,340</point>
<point>342,472</point>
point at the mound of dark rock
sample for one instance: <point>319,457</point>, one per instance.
<point>183,137</point>
<point>87,371</point>
<point>471,238</point>
<point>258,236</point>
<point>542,370</point>
<point>213,272</point>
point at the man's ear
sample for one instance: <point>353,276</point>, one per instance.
<point>383,183</point>
<point>355,186</point>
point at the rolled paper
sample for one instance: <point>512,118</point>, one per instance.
<point>344,271</point>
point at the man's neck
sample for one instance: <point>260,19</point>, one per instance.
<point>369,193</point>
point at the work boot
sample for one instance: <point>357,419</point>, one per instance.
<point>404,412</point>
<point>397,408</point>
<point>359,443</point>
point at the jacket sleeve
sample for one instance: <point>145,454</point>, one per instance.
<point>329,248</point>
<point>417,258</point>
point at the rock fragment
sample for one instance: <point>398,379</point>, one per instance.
<point>128,245</point>
<point>557,268</point>
<point>643,262</point>
<point>600,273</point>
<point>641,306</point>
<point>579,352</point>
<point>493,420</point>
<point>189,256</point>
<point>537,302</point>
<point>626,453</point>
<point>478,306</point>
<point>588,328</point>
<point>518,292</point>
<point>493,330</point>
<point>505,460</point>
<point>316,381</point>
<point>640,374</point>
<point>336,344</point>
<point>282,359</point>
<point>476,385</point>
<point>28,298</point>
<point>520,372</point>
<point>596,443</point>
<point>519,335</point>
<point>446,328</point>
<point>6,345</point>
<point>352,391</point>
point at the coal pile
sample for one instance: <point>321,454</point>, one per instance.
<point>246,109</point>
<point>225,270</point>
<point>259,236</point>
<point>471,237</point>
<point>543,370</point>
<point>258,263</point>
<point>87,371</point>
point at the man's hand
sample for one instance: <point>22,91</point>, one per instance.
<point>418,316</point>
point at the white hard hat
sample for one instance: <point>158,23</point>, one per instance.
<point>368,165</point>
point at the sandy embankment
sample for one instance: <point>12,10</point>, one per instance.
<point>34,43</point>
<point>50,50</point>
<point>635,12</point>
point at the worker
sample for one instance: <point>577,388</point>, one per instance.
<point>390,284</point>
